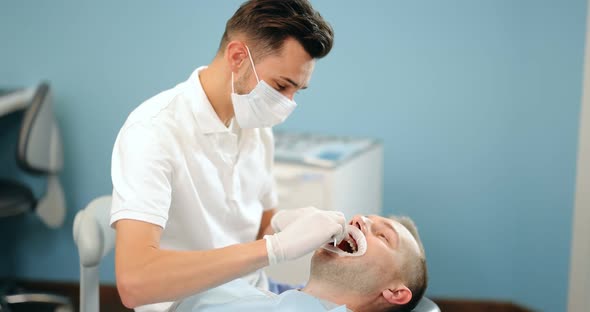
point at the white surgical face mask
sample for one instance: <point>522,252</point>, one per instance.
<point>261,108</point>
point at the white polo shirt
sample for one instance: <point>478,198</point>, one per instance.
<point>176,165</point>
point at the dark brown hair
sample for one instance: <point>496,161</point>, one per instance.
<point>267,23</point>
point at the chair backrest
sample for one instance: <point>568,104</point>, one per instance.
<point>94,238</point>
<point>39,148</point>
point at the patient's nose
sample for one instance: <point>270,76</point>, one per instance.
<point>359,222</point>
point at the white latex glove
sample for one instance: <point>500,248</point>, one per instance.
<point>283,218</point>
<point>305,235</point>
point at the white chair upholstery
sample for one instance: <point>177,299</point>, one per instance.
<point>95,239</point>
<point>426,305</point>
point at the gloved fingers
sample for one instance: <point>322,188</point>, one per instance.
<point>340,220</point>
<point>333,222</point>
<point>337,216</point>
<point>341,235</point>
<point>336,232</point>
<point>283,218</point>
<point>308,210</point>
<point>305,234</point>
<point>276,220</point>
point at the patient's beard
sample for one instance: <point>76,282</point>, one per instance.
<point>357,278</point>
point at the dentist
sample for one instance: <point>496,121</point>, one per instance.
<point>193,195</point>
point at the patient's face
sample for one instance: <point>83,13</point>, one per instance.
<point>388,242</point>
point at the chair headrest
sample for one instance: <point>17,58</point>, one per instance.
<point>426,305</point>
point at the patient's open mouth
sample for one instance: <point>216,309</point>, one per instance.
<point>348,244</point>
<point>355,243</point>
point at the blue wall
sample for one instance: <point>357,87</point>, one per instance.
<point>477,103</point>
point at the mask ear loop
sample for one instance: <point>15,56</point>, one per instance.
<point>253,69</point>
<point>252,62</point>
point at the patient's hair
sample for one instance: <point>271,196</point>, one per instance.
<point>413,272</point>
<point>267,23</point>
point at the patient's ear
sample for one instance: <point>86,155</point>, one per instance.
<point>399,295</point>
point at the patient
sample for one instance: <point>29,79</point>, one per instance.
<point>390,276</point>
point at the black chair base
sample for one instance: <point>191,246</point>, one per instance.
<point>15,198</point>
<point>18,300</point>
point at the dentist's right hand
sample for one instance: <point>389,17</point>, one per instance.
<point>304,235</point>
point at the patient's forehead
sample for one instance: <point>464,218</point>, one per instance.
<point>406,239</point>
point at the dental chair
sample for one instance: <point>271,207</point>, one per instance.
<point>95,238</point>
<point>38,153</point>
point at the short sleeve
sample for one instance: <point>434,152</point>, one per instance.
<point>269,198</point>
<point>141,170</point>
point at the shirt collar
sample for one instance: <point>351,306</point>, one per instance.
<point>328,305</point>
<point>332,306</point>
<point>206,118</point>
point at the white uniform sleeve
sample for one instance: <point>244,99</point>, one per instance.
<point>141,174</point>
<point>269,198</point>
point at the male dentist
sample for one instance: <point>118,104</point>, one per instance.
<point>193,194</point>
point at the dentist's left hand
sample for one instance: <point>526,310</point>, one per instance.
<point>305,235</point>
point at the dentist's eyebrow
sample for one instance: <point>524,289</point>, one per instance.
<point>295,84</point>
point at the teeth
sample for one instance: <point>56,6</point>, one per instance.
<point>352,245</point>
